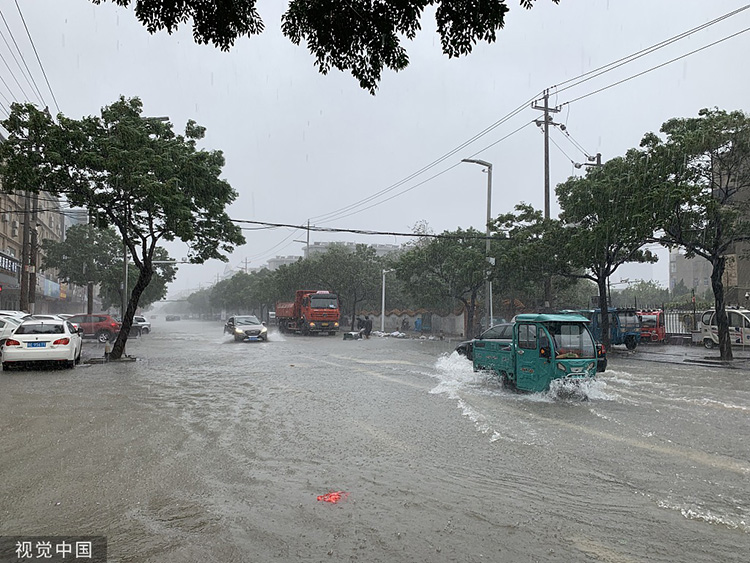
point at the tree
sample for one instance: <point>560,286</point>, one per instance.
<point>447,268</point>
<point>361,36</point>
<point>92,256</point>
<point>84,257</point>
<point>698,184</point>
<point>134,174</point>
<point>353,275</point>
<point>111,290</point>
<point>526,251</point>
<point>647,294</point>
<point>605,222</point>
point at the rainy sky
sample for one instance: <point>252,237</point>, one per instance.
<point>303,147</point>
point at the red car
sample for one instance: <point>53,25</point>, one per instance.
<point>101,326</point>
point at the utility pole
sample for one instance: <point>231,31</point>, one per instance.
<point>307,250</point>
<point>545,127</point>
<point>33,258</point>
<point>24,296</point>
<point>245,268</point>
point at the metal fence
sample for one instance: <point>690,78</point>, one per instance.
<point>681,321</point>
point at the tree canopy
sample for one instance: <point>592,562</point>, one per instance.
<point>698,186</point>
<point>359,36</point>
<point>446,269</point>
<point>133,174</point>
<point>605,223</point>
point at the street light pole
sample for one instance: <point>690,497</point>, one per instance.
<point>488,286</point>
<point>382,309</point>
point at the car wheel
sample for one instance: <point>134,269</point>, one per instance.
<point>6,366</point>
<point>238,339</point>
<point>145,330</point>
<point>708,343</point>
<point>70,364</point>
<point>630,343</point>
<point>103,336</point>
<point>78,358</point>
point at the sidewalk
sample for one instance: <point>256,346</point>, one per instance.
<point>696,354</point>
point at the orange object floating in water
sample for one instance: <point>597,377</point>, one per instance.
<point>333,497</point>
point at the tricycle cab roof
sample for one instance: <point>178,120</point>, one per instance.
<point>551,318</point>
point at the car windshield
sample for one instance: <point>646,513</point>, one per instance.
<point>648,321</point>
<point>40,328</point>
<point>327,302</point>
<point>499,331</point>
<point>249,320</point>
<point>572,340</point>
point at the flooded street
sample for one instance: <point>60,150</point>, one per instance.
<point>211,450</point>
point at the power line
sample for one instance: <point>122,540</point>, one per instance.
<point>30,77</point>
<point>656,67</point>
<point>41,66</point>
<point>361,231</point>
<point>340,213</point>
<point>648,50</point>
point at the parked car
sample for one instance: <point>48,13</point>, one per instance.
<point>246,327</point>
<point>101,326</point>
<point>173,317</point>
<point>739,327</point>
<point>143,324</point>
<point>499,332</point>
<point>43,340</point>
<point>7,325</point>
<point>13,313</point>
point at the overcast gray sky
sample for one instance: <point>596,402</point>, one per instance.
<point>300,145</point>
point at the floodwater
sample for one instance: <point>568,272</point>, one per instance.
<point>211,450</point>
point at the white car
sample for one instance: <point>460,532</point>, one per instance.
<point>43,340</point>
<point>142,323</point>
<point>7,325</point>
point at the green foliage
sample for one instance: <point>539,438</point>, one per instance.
<point>605,223</point>
<point>446,269</point>
<point>134,174</point>
<point>361,36</point>
<point>644,294</point>
<point>698,184</point>
<point>85,254</point>
<point>110,290</point>
<point>526,251</point>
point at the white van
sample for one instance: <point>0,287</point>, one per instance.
<point>739,328</point>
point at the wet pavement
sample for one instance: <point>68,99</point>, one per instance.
<point>209,450</point>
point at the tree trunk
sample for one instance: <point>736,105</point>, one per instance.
<point>90,298</point>
<point>604,308</point>
<point>144,277</point>
<point>725,343</point>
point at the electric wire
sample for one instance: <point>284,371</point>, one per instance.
<point>41,66</point>
<point>402,192</point>
<point>315,228</point>
<point>648,50</point>
<point>562,151</point>
<point>28,74</point>
<point>602,89</point>
<point>10,71</point>
<point>334,215</point>
<point>341,213</point>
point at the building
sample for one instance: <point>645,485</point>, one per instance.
<point>46,221</point>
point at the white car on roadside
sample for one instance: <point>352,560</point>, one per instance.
<point>8,324</point>
<point>49,341</point>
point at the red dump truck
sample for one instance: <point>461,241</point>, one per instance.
<point>311,312</point>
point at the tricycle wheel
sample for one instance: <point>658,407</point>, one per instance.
<point>630,343</point>
<point>708,343</point>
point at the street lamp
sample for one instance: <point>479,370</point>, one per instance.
<point>488,286</point>
<point>382,310</point>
